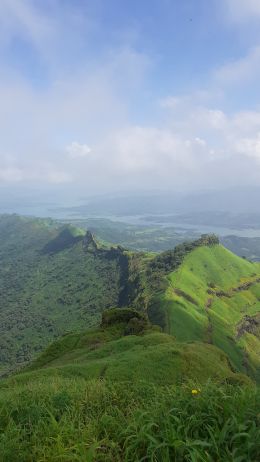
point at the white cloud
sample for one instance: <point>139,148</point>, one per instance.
<point>170,103</point>
<point>213,119</point>
<point>207,147</point>
<point>243,10</point>
<point>58,177</point>
<point>192,140</point>
<point>200,141</point>
<point>76,150</point>
<point>44,173</point>
<point>85,105</point>
<point>242,70</point>
<point>250,146</point>
<point>11,175</point>
<point>145,149</point>
<point>21,19</point>
<point>151,156</point>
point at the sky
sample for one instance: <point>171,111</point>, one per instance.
<point>99,96</point>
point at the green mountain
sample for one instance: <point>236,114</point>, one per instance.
<point>57,278</point>
<point>213,296</point>
<point>168,375</point>
<point>52,280</point>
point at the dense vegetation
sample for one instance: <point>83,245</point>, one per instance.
<point>57,278</point>
<point>168,376</point>
<point>49,284</point>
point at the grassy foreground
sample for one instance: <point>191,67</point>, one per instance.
<point>108,395</point>
<point>65,420</point>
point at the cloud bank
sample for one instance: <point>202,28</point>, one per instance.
<point>80,125</point>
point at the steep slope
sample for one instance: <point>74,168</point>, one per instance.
<point>52,280</point>
<point>213,296</point>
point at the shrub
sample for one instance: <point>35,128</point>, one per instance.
<point>120,315</point>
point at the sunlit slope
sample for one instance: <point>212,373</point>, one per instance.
<point>110,353</point>
<point>214,297</point>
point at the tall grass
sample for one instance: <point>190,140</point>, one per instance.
<point>68,420</point>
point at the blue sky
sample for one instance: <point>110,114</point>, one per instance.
<point>137,94</point>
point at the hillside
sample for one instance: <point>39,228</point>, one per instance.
<point>126,391</point>
<point>126,348</point>
<point>213,297</point>
<point>56,278</point>
<point>167,375</point>
<point>52,281</point>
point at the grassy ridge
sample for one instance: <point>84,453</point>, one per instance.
<point>109,353</point>
<point>207,298</point>
<point>107,396</point>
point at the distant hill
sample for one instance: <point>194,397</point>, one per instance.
<point>156,238</point>
<point>243,200</point>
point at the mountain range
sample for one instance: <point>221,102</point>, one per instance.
<point>109,354</point>
<point>57,279</point>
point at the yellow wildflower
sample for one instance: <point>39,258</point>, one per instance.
<point>195,391</point>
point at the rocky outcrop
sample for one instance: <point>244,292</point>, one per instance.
<point>89,242</point>
<point>249,324</point>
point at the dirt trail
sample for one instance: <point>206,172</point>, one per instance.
<point>209,331</point>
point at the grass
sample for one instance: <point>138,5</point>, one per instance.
<point>103,396</point>
<point>65,420</point>
<point>199,303</point>
<point>108,353</point>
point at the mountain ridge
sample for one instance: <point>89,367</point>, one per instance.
<point>186,291</point>
<point>129,389</point>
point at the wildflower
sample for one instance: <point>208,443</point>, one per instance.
<point>195,391</point>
